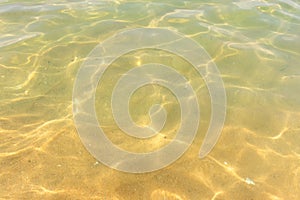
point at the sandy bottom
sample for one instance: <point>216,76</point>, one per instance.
<point>257,53</point>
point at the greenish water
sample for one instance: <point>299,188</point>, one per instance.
<point>256,46</point>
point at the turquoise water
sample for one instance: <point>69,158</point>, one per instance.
<point>254,44</point>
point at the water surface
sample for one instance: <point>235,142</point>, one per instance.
<point>256,46</point>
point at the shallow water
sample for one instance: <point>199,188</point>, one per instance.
<point>256,46</point>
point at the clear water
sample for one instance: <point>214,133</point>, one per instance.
<point>256,46</point>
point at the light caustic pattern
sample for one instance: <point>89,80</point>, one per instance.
<point>104,54</point>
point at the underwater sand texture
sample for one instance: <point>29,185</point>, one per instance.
<point>256,46</point>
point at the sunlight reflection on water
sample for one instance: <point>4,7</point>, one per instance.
<point>255,45</point>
